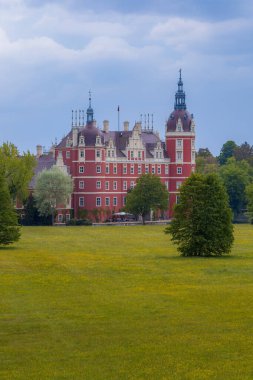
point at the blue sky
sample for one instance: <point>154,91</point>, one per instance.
<point>128,53</point>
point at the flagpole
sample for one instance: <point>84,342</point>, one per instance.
<point>118,118</point>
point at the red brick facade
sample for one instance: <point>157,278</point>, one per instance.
<point>104,164</point>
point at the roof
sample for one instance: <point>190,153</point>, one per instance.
<point>46,161</point>
<point>177,114</point>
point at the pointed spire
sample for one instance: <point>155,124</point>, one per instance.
<point>89,111</point>
<point>180,95</point>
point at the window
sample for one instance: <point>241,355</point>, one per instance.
<point>167,185</point>
<point>193,156</point>
<point>98,140</point>
<point>177,199</point>
<point>107,169</point>
<point>107,185</point>
<point>153,169</point>
<point>124,169</point>
<point>179,143</point>
<point>139,169</point>
<point>98,201</point>
<point>81,141</point>
<point>125,185</point>
<point>114,169</point>
<point>98,153</point>
<point>124,201</point>
<point>98,169</point>
<point>132,154</point>
<point>178,184</point>
<point>81,184</point>
<point>166,169</point>
<point>108,153</point>
<point>139,155</point>
<point>179,170</point>
<point>159,170</point>
<point>107,201</point>
<point>132,169</point>
<point>114,201</point>
<point>98,185</point>
<point>146,169</point>
<point>60,218</point>
<point>112,153</point>
<point>68,154</point>
<point>81,201</point>
<point>81,169</point>
<point>193,144</point>
<point>81,153</point>
<point>132,185</point>
<point>67,217</point>
<point>114,185</point>
<point>179,156</point>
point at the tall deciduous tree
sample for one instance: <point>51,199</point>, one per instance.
<point>206,162</point>
<point>235,175</point>
<point>148,194</point>
<point>202,219</point>
<point>227,151</point>
<point>17,169</point>
<point>53,187</point>
<point>249,197</point>
<point>9,229</point>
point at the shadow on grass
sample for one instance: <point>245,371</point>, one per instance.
<point>7,248</point>
<point>181,258</point>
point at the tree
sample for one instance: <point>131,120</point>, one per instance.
<point>202,219</point>
<point>227,151</point>
<point>249,197</point>
<point>17,170</point>
<point>244,152</point>
<point>235,176</point>
<point>9,228</point>
<point>31,215</point>
<point>148,194</point>
<point>53,187</point>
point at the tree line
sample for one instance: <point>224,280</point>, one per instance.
<point>234,165</point>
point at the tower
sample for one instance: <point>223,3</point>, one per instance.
<point>89,111</point>
<point>180,143</point>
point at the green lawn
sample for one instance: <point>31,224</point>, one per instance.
<point>120,303</point>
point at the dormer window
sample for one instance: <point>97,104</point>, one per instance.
<point>98,140</point>
<point>81,140</point>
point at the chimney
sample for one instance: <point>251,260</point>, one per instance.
<point>106,126</point>
<point>126,126</point>
<point>39,151</point>
<point>74,135</point>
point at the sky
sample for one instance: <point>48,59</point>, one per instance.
<point>128,53</point>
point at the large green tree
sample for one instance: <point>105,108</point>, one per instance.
<point>148,194</point>
<point>53,187</point>
<point>249,197</point>
<point>235,175</point>
<point>9,228</point>
<point>17,170</point>
<point>202,219</point>
<point>227,151</point>
<point>206,162</point>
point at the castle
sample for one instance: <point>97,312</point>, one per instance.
<point>105,163</point>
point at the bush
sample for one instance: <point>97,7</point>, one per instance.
<point>79,222</point>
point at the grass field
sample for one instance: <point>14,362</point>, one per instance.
<point>120,303</point>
